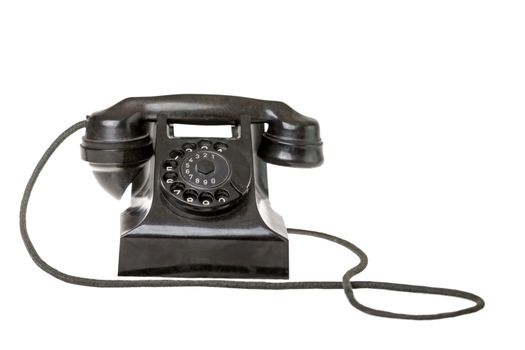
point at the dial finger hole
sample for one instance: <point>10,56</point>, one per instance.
<point>220,147</point>
<point>170,165</point>
<point>177,188</point>
<point>205,144</point>
<point>170,177</point>
<point>190,196</point>
<point>206,198</point>
<point>176,154</point>
<point>189,147</point>
<point>222,196</point>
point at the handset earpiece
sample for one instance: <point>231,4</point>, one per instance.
<point>291,138</point>
<point>117,145</point>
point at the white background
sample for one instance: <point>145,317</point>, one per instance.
<point>421,107</point>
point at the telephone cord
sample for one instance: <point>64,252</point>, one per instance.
<point>346,284</point>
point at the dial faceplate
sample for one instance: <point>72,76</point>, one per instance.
<point>205,169</point>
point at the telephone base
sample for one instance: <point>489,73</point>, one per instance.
<point>203,257</point>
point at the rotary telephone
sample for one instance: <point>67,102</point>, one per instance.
<point>199,205</point>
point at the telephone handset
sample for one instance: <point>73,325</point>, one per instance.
<point>199,205</point>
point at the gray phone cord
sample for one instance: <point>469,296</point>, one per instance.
<point>346,284</point>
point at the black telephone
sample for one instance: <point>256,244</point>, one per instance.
<point>199,205</point>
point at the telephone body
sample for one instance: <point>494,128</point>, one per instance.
<point>199,205</point>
